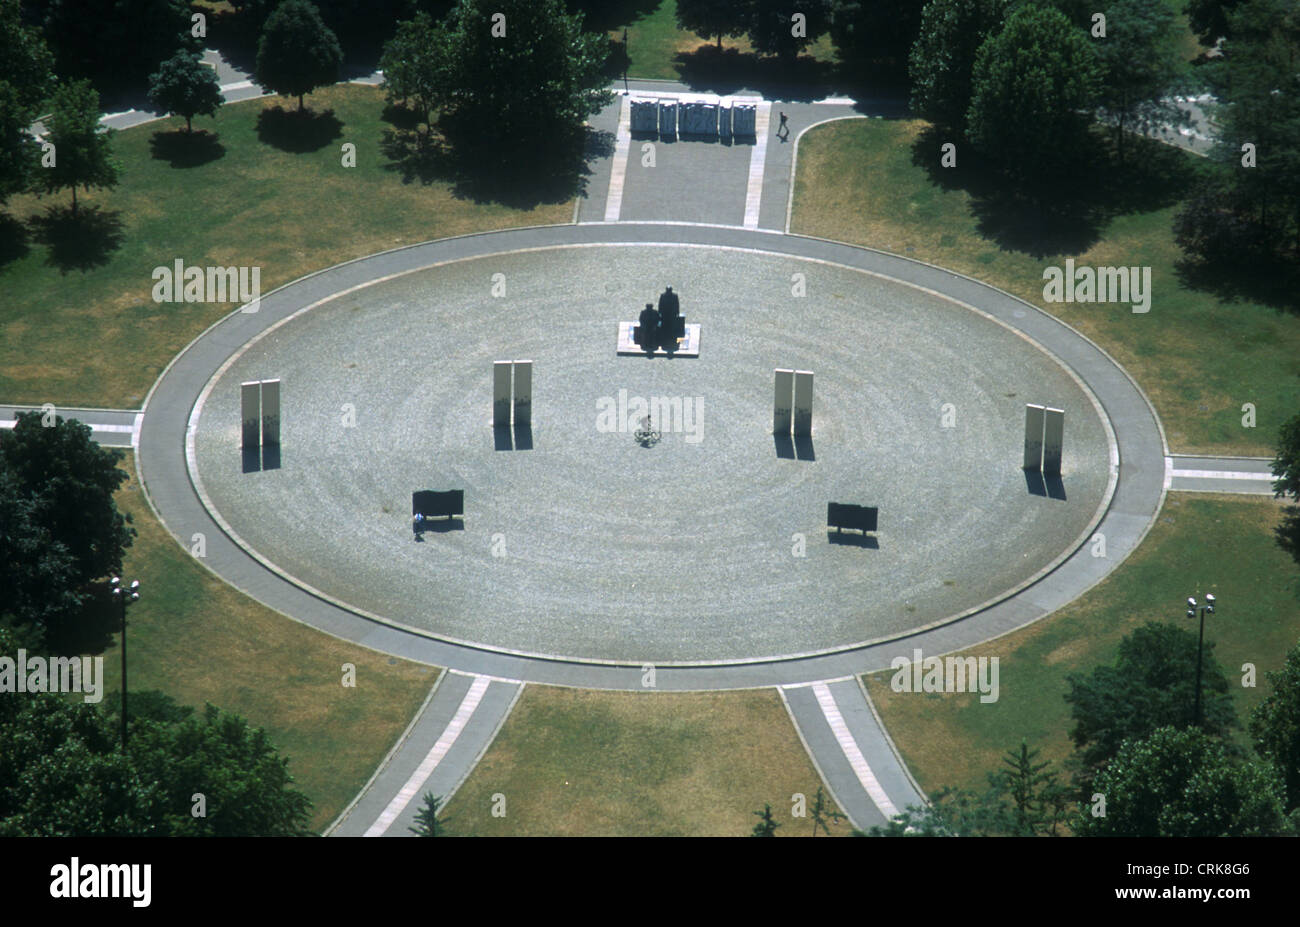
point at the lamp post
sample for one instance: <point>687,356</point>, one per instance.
<point>1192,609</point>
<point>125,596</point>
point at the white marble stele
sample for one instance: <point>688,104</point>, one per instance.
<point>250,413</point>
<point>523,392</point>
<point>686,347</point>
<point>501,393</point>
<point>803,399</point>
<point>782,401</point>
<point>1033,437</point>
<point>1053,439</point>
<point>271,412</point>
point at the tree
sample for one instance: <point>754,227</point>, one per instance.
<point>1258,88</point>
<point>185,86</point>
<point>519,100</point>
<point>1275,726</point>
<point>62,772</point>
<point>18,149</point>
<point>297,52</point>
<point>1151,685</point>
<point>943,58</point>
<point>82,150</point>
<point>1037,802</point>
<point>871,32</point>
<point>413,65</point>
<point>772,28</point>
<point>62,528</point>
<point>1023,800</point>
<point>26,64</point>
<point>1183,783</point>
<point>1286,467</point>
<point>426,819</point>
<point>1141,65</point>
<point>1209,18</point>
<point>707,18</point>
<point>766,826</point>
<point>1034,87</point>
<point>115,43</point>
<point>822,814</point>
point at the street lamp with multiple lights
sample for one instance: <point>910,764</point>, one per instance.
<point>126,595</point>
<point>1192,609</point>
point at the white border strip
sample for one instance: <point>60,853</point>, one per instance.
<point>434,757</point>
<point>851,751</point>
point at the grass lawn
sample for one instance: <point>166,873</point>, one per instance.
<point>573,762</point>
<point>1202,543</point>
<point>1198,357</point>
<point>89,333</point>
<point>199,640</point>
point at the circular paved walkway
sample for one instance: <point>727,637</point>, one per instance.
<point>1138,445</point>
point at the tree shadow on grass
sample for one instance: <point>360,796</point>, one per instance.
<point>724,71</point>
<point>78,241</point>
<point>13,240</point>
<point>524,179</point>
<point>298,132</point>
<point>1063,217</point>
<point>186,149</point>
<point>1269,281</point>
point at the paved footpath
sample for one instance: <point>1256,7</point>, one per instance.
<point>742,186</point>
<point>449,735</point>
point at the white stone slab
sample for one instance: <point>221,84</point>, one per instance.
<point>743,120</point>
<point>1053,439</point>
<point>250,412</point>
<point>271,412</point>
<point>501,393</point>
<point>645,116</point>
<point>782,401</point>
<point>686,347</point>
<point>668,118</point>
<point>803,399</point>
<point>698,120</point>
<point>1033,437</point>
<point>523,392</point>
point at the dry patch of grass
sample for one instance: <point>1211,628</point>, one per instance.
<point>575,762</point>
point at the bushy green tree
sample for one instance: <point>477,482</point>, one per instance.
<point>1141,67</point>
<point>63,772</point>
<point>26,64</point>
<point>512,101</point>
<point>184,85</point>
<point>60,527</point>
<point>414,62</point>
<point>942,60</point>
<point>1151,685</point>
<point>1184,783</point>
<point>297,52</point>
<point>83,152</point>
<point>1034,89</point>
<point>1275,726</point>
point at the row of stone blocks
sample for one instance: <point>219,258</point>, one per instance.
<point>670,118</point>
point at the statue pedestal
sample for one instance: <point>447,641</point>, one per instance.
<point>686,347</point>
